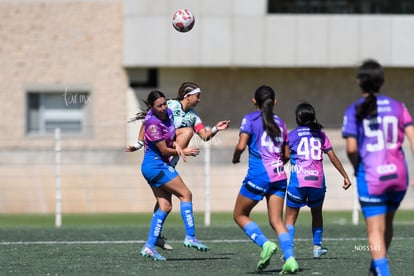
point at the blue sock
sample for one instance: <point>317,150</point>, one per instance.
<point>254,232</point>
<point>317,235</point>
<point>157,222</point>
<point>287,245</point>
<point>291,230</point>
<point>381,267</point>
<point>186,209</point>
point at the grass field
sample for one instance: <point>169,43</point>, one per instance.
<point>110,245</point>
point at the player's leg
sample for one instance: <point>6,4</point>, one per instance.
<point>294,201</point>
<point>157,222</point>
<point>275,203</point>
<point>177,187</point>
<point>317,232</point>
<point>183,136</point>
<point>161,241</point>
<point>241,214</point>
<point>376,242</point>
<point>389,228</point>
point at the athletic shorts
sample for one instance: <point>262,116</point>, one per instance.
<point>374,205</point>
<point>298,197</point>
<point>256,191</point>
<point>157,172</point>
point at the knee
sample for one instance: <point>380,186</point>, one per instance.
<point>187,196</point>
<point>166,207</point>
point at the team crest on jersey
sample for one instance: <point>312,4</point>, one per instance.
<point>152,129</point>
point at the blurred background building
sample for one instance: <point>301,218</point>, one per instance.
<point>85,66</point>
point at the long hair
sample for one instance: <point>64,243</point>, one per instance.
<point>149,102</point>
<point>371,77</point>
<point>185,88</point>
<point>265,100</point>
<point>306,116</point>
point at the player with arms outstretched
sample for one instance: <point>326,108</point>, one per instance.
<point>187,122</point>
<point>163,179</point>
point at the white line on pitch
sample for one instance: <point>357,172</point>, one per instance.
<point>170,241</point>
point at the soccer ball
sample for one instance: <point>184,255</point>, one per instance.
<point>183,21</point>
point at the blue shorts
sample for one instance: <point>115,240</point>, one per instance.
<point>157,172</point>
<point>374,205</point>
<point>298,197</point>
<point>256,191</point>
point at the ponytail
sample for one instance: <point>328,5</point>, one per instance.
<point>370,77</point>
<point>368,108</point>
<point>265,100</point>
<point>269,123</point>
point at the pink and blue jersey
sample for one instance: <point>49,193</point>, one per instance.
<point>265,154</point>
<point>380,140</point>
<point>306,156</point>
<point>157,130</point>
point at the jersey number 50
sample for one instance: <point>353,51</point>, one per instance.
<point>386,133</point>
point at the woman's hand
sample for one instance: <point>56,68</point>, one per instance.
<point>222,125</point>
<point>347,183</point>
<point>130,148</point>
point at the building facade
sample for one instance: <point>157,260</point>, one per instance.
<point>85,66</point>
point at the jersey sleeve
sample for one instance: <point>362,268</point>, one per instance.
<point>406,116</point>
<point>349,125</point>
<point>198,124</point>
<point>326,145</point>
<point>245,126</point>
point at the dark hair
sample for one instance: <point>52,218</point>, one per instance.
<point>265,100</point>
<point>152,97</point>
<point>371,77</point>
<point>306,116</point>
<point>184,89</point>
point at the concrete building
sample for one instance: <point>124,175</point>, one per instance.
<point>84,66</point>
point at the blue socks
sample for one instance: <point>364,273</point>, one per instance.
<point>253,231</point>
<point>286,243</point>
<point>317,235</point>
<point>157,222</point>
<point>381,267</point>
<point>186,210</point>
<point>291,230</point>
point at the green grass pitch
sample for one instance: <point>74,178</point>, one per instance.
<point>109,244</point>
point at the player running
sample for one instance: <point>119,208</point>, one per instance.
<point>374,128</point>
<point>163,179</point>
<point>266,136</point>
<point>307,143</point>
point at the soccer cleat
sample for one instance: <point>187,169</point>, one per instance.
<point>161,242</point>
<point>268,249</point>
<point>193,242</point>
<point>318,251</point>
<point>290,266</point>
<point>152,253</point>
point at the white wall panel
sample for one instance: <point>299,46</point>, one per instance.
<point>237,33</point>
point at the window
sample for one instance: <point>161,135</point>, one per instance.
<point>341,6</point>
<point>143,77</point>
<point>57,109</point>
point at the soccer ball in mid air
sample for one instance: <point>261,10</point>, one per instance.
<point>183,21</point>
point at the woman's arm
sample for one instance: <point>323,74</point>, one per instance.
<point>240,147</point>
<point>338,165</point>
<point>207,134</point>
